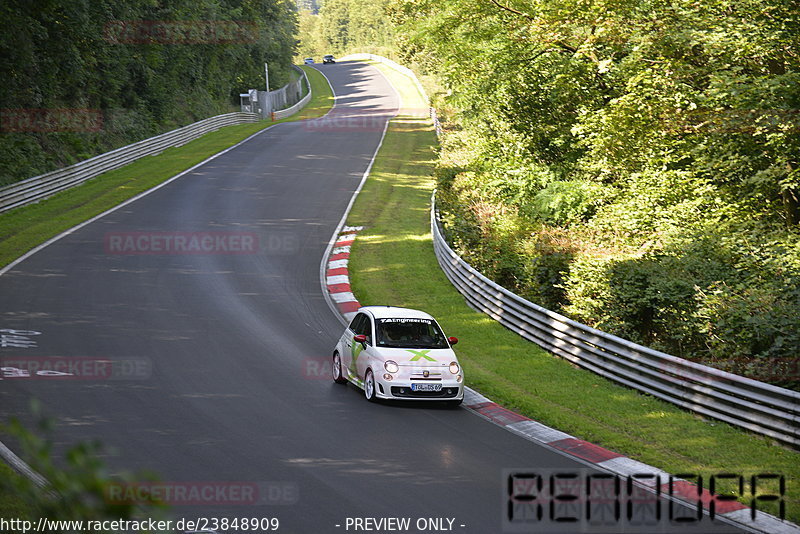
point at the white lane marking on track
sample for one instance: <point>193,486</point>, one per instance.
<point>18,339</point>
<point>129,201</point>
<point>341,227</point>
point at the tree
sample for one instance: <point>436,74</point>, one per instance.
<point>144,67</point>
<point>636,133</point>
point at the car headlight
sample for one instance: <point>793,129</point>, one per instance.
<point>391,366</point>
<point>454,368</point>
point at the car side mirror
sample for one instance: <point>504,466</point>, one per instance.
<point>452,340</point>
<point>360,338</point>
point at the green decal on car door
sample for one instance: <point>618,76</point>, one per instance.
<point>355,350</point>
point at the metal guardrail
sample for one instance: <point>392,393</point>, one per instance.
<point>761,408</point>
<point>48,184</point>
<point>45,185</point>
<point>283,113</point>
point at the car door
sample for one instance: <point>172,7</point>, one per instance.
<point>350,349</point>
<point>363,352</point>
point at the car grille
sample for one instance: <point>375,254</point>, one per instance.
<point>445,393</point>
<point>431,376</point>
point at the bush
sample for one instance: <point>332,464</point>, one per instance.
<point>741,322</point>
<point>75,489</point>
<point>568,202</point>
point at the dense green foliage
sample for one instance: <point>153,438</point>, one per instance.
<point>75,488</point>
<point>344,26</point>
<point>633,165</point>
<point>130,69</point>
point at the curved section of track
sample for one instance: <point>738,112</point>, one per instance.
<point>236,343</point>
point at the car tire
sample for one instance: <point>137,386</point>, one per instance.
<point>338,375</point>
<point>454,403</point>
<point>369,386</point>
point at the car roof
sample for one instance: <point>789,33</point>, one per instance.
<point>394,312</point>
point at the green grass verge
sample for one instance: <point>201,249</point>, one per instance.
<point>392,262</point>
<point>24,228</point>
<point>11,505</point>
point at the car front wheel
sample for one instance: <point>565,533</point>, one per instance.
<point>369,386</point>
<point>338,377</point>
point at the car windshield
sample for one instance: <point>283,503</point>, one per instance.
<point>410,332</point>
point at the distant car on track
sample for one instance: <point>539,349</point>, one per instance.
<point>309,61</point>
<point>398,353</point>
<point>328,59</point>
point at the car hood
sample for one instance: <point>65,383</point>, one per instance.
<point>418,357</point>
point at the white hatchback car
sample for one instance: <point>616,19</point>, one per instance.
<point>398,353</point>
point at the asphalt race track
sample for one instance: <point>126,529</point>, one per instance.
<point>226,348</point>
